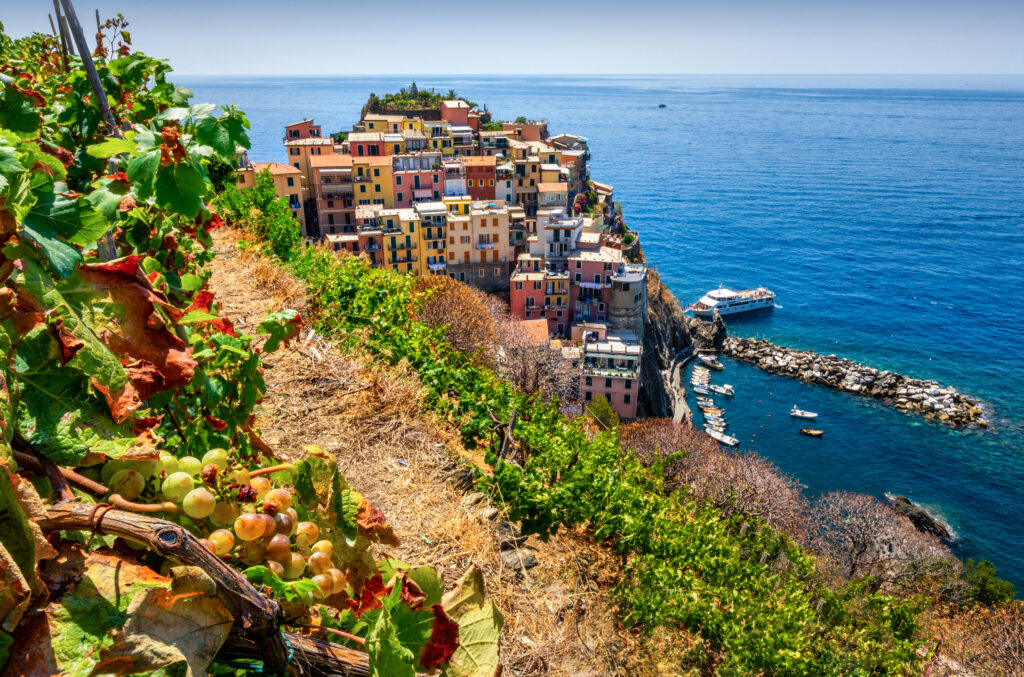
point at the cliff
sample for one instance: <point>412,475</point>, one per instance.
<point>669,334</point>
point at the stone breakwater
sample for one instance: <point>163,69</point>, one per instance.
<point>927,398</point>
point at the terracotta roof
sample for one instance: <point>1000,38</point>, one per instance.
<point>330,161</point>
<point>373,160</point>
<point>536,330</point>
<point>300,122</point>
<point>365,137</point>
<point>480,160</point>
<point>275,168</point>
<point>551,187</point>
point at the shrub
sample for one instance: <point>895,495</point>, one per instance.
<point>985,586</point>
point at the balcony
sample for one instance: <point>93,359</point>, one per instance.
<point>556,306</point>
<point>485,245</point>
<point>402,259</point>
<point>611,371</point>
<point>437,266</point>
<point>402,245</point>
<point>391,230</point>
<point>372,247</point>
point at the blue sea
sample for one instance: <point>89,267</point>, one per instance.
<point>887,213</point>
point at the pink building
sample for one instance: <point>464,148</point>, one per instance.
<point>366,144</point>
<point>303,129</point>
<point>417,177</point>
<point>611,368</point>
<point>455,112</point>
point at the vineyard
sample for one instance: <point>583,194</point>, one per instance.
<point>146,527</point>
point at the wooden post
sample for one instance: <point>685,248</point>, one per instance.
<point>99,40</point>
<point>59,37</point>
<point>90,67</point>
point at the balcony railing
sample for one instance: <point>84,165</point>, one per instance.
<point>437,266</point>
<point>402,245</point>
<point>485,245</point>
<point>556,306</point>
<point>620,372</point>
<point>402,259</point>
<point>391,230</point>
<point>372,248</point>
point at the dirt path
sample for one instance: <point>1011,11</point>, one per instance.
<point>557,619</point>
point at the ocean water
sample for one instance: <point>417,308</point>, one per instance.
<point>887,213</point>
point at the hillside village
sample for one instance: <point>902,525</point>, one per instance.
<point>503,206</point>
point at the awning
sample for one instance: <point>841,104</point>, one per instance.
<point>426,194</point>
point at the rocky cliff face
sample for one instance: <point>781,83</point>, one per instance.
<point>668,332</point>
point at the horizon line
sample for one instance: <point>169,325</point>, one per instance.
<point>452,75</point>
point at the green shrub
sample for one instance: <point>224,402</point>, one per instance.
<point>986,587</point>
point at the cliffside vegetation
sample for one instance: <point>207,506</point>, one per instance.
<point>412,99</point>
<point>737,569</point>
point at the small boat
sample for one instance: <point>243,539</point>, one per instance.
<point>711,361</point>
<point>661,105</point>
<point>700,390</point>
<point>723,390</point>
<point>705,400</point>
<point>800,413</point>
<point>810,432</point>
<point>723,438</point>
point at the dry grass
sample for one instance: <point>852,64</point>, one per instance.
<point>558,619</point>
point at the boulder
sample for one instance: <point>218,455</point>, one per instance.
<point>920,518</point>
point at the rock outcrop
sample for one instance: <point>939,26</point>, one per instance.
<point>670,336</point>
<point>927,398</point>
<point>920,518</point>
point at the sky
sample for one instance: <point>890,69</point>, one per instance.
<point>399,37</point>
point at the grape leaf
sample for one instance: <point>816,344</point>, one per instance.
<point>141,171</point>
<point>18,112</point>
<point>281,326</point>
<point>184,624</point>
<point>344,509</point>
<point>62,257</point>
<point>9,160</point>
<point>313,481</point>
<point>479,628</point>
<point>179,188</point>
<point>215,134</point>
<point>111,147</point>
<point>388,658</point>
<point>73,220</point>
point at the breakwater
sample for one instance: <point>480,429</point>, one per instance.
<point>919,396</point>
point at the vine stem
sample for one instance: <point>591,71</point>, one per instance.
<point>339,633</point>
<point>271,469</point>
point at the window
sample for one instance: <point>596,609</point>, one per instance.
<point>376,171</point>
<point>629,384</point>
<point>291,181</point>
<point>589,380</point>
<point>330,204</point>
<point>376,188</point>
<point>530,302</point>
<point>597,279</point>
<point>435,181</point>
<point>625,398</point>
<point>316,151</point>
<point>607,383</point>
<point>579,264</point>
<point>398,180</point>
<point>293,151</point>
<point>399,196</point>
<point>625,287</point>
<point>536,285</point>
<point>480,273</point>
<point>579,277</point>
<point>588,396</point>
<point>330,218</point>
<point>497,271</point>
<point>519,286</point>
<point>362,188</point>
<point>469,183</point>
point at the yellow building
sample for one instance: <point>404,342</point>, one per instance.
<point>433,237</point>
<point>401,234</point>
<point>439,136</point>
<point>300,150</point>
<point>375,122</point>
<point>288,183</point>
<point>373,181</point>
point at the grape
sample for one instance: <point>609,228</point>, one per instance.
<point>223,540</point>
<point>252,552</point>
<point>279,548</point>
<point>218,457</point>
<point>324,546</point>
<point>319,562</point>
<point>224,514</point>
<point>325,583</point>
<point>199,503</point>
<point>167,464</point>
<point>176,485</point>
<point>338,576</point>
<point>279,498</point>
<point>128,483</point>
<point>206,543</point>
<point>275,567</point>
<point>269,526</point>
<point>294,565</point>
<point>295,518</point>
<point>249,526</point>
<point>239,476</point>
<point>284,523</point>
<point>190,464</point>
<point>111,468</point>
<point>305,534</point>
<point>261,485</point>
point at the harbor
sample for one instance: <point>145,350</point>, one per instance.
<point>927,398</point>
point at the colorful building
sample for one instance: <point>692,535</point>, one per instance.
<point>373,182</point>
<point>288,183</point>
<point>455,112</point>
<point>332,189</point>
<point>303,129</point>
<point>480,177</point>
<point>417,178</point>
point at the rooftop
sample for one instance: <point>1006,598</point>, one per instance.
<point>556,187</point>
<point>373,160</point>
<point>455,103</point>
<point>275,168</point>
<point>536,330</point>
<point>365,137</point>
<point>480,161</point>
<point>602,255</point>
<point>336,160</point>
<point>300,122</point>
<point>311,141</point>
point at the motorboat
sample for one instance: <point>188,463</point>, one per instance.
<point>800,413</point>
<point>711,361</point>
<point>722,437</point>
<point>723,389</point>
<point>700,390</point>
<point>811,432</point>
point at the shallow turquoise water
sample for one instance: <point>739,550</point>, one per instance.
<point>887,213</point>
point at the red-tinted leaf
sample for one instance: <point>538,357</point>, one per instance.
<point>118,176</point>
<point>127,265</point>
<point>65,157</point>
<point>68,342</point>
<point>412,596</point>
<point>146,378</point>
<point>444,639</point>
<point>203,302</point>
<point>372,521</point>
<point>216,423</point>
<point>373,591</point>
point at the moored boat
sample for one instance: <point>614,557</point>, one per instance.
<point>723,438</point>
<point>711,361</point>
<point>811,432</point>
<point>800,413</point>
<point>700,390</point>
<point>723,389</point>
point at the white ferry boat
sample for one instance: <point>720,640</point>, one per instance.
<point>729,302</point>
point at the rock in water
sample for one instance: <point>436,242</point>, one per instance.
<point>920,518</point>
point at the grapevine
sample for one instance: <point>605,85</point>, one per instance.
<point>126,410</point>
